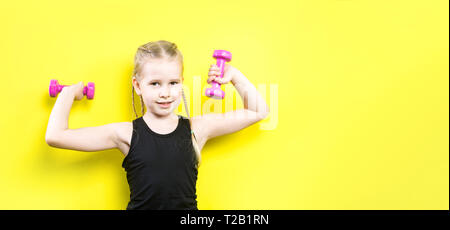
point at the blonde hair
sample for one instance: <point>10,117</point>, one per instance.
<point>161,49</point>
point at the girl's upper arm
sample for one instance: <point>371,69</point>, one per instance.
<point>88,138</point>
<point>217,124</point>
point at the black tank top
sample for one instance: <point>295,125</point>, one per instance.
<point>161,168</point>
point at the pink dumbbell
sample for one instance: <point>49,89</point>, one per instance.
<point>55,88</point>
<point>222,56</point>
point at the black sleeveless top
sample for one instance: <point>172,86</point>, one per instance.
<point>161,168</point>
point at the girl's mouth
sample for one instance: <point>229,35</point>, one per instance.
<point>164,104</point>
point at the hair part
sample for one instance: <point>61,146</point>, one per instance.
<point>157,50</point>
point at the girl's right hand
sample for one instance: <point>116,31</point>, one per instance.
<point>77,90</point>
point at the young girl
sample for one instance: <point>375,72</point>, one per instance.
<point>162,149</point>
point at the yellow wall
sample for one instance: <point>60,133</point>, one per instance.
<point>362,100</point>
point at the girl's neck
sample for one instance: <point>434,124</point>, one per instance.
<point>160,119</point>
<point>161,125</point>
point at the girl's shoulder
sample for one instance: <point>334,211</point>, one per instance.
<point>123,134</point>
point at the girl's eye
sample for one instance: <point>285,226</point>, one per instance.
<point>157,83</point>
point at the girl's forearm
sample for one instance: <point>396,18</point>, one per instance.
<point>251,98</point>
<point>59,116</point>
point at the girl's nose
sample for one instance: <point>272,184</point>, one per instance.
<point>165,92</point>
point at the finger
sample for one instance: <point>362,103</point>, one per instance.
<point>214,73</point>
<point>214,78</point>
<point>214,70</point>
<point>219,80</point>
<point>210,79</point>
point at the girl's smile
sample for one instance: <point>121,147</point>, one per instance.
<point>164,104</point>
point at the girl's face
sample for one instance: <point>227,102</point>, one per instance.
<point>160,85</point>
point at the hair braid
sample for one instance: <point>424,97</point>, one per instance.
<point>194,139</point>
<point>132,99</point>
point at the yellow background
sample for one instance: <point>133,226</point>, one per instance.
<point>363,90</point>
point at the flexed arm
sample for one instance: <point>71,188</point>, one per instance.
<point>251,98</point>
<point>255,108</point>
<point>83,139</point>
<point>59,116</point>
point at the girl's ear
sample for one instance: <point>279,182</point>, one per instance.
<point>136,86</point>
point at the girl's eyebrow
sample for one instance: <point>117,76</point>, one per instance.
<point>175,79</point>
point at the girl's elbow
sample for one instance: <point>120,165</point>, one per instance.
<point>262,115</point>
<point>50,142</point>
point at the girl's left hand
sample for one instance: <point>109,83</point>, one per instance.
<point>214,74</point>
